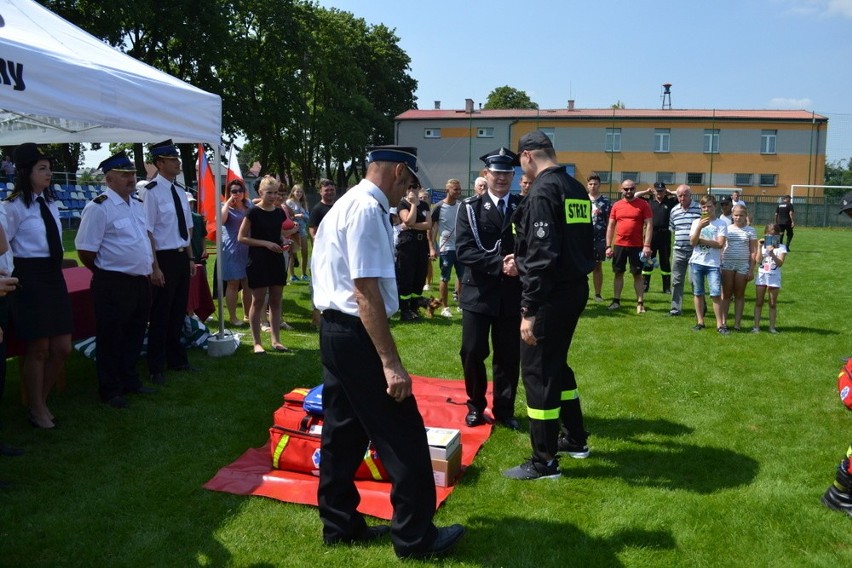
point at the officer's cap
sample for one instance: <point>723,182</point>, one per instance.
<point>659,186</point>
<point>845,203</point>
<point>27,154</point>
<point>118,162</point>
<point>165,149</point>
<point>499,160</point>
<point>396,154</point>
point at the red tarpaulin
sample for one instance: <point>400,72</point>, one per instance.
<point>442,404</point>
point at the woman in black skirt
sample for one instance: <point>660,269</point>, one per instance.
<point>41,309</point>
<point>266,269</point>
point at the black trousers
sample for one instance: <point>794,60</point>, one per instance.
<point>358,410</point>
<point>788,229</point>
<point>412,256</point>
<point>505,335</point>
<point>168,309</point>
<point>4,325</point>
<point>548,379</point>
<point>661,245</point>
<point>122,303</point>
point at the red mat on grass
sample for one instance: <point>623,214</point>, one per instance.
<point>442,404</point>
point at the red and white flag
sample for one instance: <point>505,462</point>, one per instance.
<point>208,204</point>
<point>233,167</point>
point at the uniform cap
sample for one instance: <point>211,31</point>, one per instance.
<point>117,162</point>
<point>659,185</point>
<point>27,154</point>
<point>165,149</point>
<point>845,203</point>
<point>500,160</point>
<point>395,154</point>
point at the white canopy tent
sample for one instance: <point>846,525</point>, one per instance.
<point>59,84</point>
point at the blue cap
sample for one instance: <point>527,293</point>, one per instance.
<point>118,162</point>
<point>396,154</point>
<point>165,149</point>
<point>499,160</point>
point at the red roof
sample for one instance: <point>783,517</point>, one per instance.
<point>592,113</point>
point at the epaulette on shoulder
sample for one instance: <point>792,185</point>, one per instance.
<point>471,199</point>
<point>12,197</point>
<point>100,199</point>
<point>151,185</point>
<point>136,197</point>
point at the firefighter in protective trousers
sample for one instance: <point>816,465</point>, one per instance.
<point>553,256</point>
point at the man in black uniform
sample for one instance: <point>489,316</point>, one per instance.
<point>661,241</point>
<point>554,255</point>
<point>113,243</point>
<point>785,220</point>
<point>170,229</point>
<point>491,292</point>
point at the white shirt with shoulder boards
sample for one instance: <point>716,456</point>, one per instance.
<point>704,255</point>
<point>162,216</point>
<point>25,227</point>
<point>117,232</point>
<point>354,240</point>
<point>738,243</point>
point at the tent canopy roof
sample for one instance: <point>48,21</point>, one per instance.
<point>61,84</point>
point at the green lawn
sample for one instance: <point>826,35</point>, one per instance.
<point>706,450</point>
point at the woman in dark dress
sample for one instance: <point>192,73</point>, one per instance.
<point>41,308</point>
<point>266,269</point>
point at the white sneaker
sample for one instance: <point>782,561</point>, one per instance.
<point>446,313</point>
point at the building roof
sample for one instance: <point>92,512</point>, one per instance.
<point>608,113</point>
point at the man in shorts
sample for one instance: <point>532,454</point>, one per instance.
<point>444,232</point>
<point>628,236</point>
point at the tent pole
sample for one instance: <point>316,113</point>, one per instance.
<point>217,167</point>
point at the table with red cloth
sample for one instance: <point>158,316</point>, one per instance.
<point>79,281</point>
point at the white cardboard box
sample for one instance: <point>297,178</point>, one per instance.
<point>442,442</point>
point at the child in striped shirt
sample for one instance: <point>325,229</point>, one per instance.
<point>738,262</point>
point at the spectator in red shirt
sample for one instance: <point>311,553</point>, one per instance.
<point>628,235</point>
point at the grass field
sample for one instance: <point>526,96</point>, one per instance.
<point>706,450</point>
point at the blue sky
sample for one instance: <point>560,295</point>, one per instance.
<point>743,54</point>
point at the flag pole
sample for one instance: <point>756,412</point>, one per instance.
<point>217,160</point>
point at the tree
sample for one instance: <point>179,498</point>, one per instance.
<point>507,97</point>
<point>838,174</point>
<point>617,105</point>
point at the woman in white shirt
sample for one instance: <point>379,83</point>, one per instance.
<point>41,309</point>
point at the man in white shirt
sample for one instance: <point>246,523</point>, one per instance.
<point>366,389</point>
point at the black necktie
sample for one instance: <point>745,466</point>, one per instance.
<point>181,219</point>
<point>501,207</point>
<point>54,241</point>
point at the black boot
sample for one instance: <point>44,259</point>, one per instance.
<point>838,496</point>
<point>667,284</point>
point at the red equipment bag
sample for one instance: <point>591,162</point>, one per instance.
<point>844,384</point>
<point>295,441</point>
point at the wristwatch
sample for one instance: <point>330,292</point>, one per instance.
<point>526,312</point>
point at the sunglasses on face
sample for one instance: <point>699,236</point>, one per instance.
<point>237,190</point>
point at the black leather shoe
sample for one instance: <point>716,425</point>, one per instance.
<point>141,390</point>
<point>447,538</point>
<point>474,418</point>
<point>118,402</point>
<point>185,369</point>
<point>158,378</point>
<point>510,423</point>
<point>372,533</point>
<point>6,450</point>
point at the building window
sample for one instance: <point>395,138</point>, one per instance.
<point>662,139</point>
<point>741,180</point>
<point>485,132</point>
<point>767,141</point>
<point>666,177</point>
<point>613,140</point>
<point>604,176</point>
<point>711,141</point>
<point>431,133</point>
<point>768,180</point>
<point>550,133</point>
<point>630,175</point>
<point>694,178</point>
